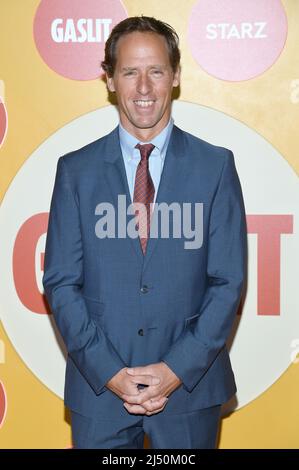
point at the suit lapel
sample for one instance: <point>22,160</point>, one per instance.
<point>171,182</point>
<point>115,173</point>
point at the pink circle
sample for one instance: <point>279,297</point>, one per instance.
<point>3,121</point>
<point>3,404</point>
<point>70,35</point>
<point>237,40</point>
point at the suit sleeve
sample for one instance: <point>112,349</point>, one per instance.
<point>86,343</point>
<point>198,346</point>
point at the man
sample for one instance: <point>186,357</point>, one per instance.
<point>145,319</point>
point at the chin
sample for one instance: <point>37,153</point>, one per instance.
<point>145,125</point>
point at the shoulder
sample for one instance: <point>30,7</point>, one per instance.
<point>193,141</point>
<point>202,151</point>
<point>93,152</point>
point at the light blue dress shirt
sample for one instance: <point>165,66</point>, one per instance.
<point>132,156</point>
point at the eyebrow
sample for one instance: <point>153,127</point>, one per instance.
<point>125,69</point>
<point>159,66</point>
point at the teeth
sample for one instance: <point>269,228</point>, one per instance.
<point>144,104</point>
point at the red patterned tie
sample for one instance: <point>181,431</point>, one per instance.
<point>144,191</point>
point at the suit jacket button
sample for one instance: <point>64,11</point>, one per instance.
<point>140,332</point>
<point>144,289</point>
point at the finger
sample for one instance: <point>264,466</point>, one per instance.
<point>145,379</point>
<point>133,399</point>
<point>135,370</point>
<point>154,406</point>
<point>142,396</point>
<point>135,409</point>
<point>149,413</point>
<point>146,370</point>
<point>156,399</point>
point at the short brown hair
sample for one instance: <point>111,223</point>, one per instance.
<point>141,24</point>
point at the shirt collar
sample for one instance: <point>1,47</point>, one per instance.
<point>128,141</point>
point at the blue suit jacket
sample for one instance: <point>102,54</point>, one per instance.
<point>103,292</point>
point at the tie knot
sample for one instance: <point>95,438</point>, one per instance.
<point>145,150</point>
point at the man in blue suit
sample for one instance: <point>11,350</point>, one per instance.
<point>145,318</point>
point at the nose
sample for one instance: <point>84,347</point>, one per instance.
<point>144,84</point>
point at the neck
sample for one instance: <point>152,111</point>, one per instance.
<point>146,134</point>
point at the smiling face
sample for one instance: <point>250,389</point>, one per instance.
<point>143,81</point>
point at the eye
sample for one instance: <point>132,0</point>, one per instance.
<point>157,72</point>
<point>129,73</point>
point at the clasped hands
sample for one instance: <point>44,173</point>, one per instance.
<point>160,382</point>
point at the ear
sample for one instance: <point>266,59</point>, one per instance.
<point>110,83</point>
<point>177,77</point>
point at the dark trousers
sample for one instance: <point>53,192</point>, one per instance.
<point>193,430</point>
